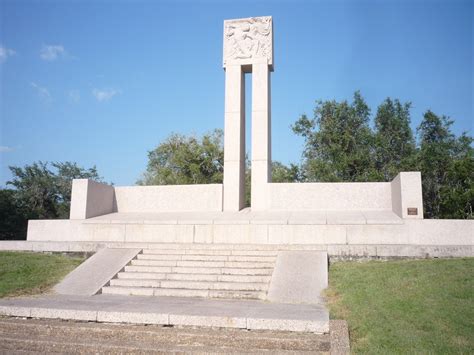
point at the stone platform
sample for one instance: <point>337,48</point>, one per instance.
<point>359,233</point>
<point>243,314</point>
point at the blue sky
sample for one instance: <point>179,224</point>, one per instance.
<point>102,83</point>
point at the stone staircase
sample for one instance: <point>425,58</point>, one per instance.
<point>226,273</point>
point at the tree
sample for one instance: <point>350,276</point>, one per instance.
<point>338,142</point>
<point>46,193</point>
<point>395,148</point>
<point>447,168</point>
<point>457,192</point>
<point>186,160</point>
<point>13,218</point>
<point>283,173</point>
<point>66,172</point>
<point>181,159</point>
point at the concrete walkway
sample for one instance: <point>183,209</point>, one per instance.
<point>172,311</point>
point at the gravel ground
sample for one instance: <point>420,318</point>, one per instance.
<point>19,335</point>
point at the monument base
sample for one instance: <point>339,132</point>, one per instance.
<point>371,233</point>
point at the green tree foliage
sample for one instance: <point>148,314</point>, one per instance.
<point>394,142</point>
<point>283,173</point>
<point>447,167</point>
<point>181,159</point>
<point>184,159</point>
<point>341,146</point>
<point>13,218</point>
<point>338,142</point>
<point>41,191</point>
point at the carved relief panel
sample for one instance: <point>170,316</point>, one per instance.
<point>248,40</point>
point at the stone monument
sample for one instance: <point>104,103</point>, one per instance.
<point>358,218</point>
<point>248,48</point>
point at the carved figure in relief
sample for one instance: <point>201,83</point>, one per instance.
<point>248,39</point>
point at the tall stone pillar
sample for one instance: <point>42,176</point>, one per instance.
<point>248,48</point>
<point>261,135</point>
<point>234,139</point>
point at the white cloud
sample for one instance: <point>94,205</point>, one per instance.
<point>5,149</point>
<point>52,52</point>
<point>43,93</point>
<point>103,95</point>
<point>74,96</point>
<point>5,53</point>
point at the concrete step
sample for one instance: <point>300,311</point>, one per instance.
<point>220,285</point>
<point>154,262</point>
<point>186,257</point>
<point>191,285</point>
<point>242,264</point>
<point>199,270</point>
<point>193,277</point>
<point>135,282</point>
<point>171,292</point>
<point>143,275</point>
<point>188,272</point>
<point>154,269</point>
<point>210,252</point>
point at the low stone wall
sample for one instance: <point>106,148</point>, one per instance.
<point>403,196</point>
<point>165,198</point>
<point>91,199</point>
<point>329,196</point>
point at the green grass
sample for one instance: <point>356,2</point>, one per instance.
<point>29,273</point>
<point>409,306</point>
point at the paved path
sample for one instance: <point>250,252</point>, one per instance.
<point>53,336</point>
<point>243,314</point>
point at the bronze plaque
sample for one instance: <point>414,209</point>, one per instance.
<point>412,211</point>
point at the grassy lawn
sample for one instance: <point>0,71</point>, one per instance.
<point>30,273</point>
<point>409,306</point>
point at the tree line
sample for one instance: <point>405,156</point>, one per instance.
<point>341,144</point>
<point>40,191</point>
